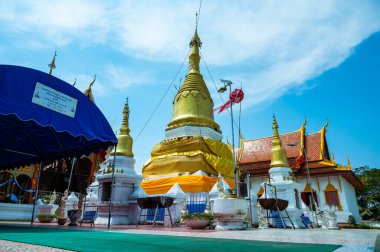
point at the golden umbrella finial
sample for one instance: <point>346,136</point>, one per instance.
<point>88,91</point>
<point>52,64</point>
<point>279,158</point>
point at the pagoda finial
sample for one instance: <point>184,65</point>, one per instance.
<point>275,128</point>
<point>279,158</point>
<point>195,44</point>
<point>126,114</point>
<point>125,141</point>
<point>52,64</point>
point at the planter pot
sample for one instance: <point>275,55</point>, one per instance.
<point>73,216</point>
<point>45,209</point>
<point>62,221</point>
<point>45,219</point>
<point>196,223</point>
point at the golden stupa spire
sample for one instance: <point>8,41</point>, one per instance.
<point>52,64</point>
<point>88,91</point>
<point>125,141</point>
<point>193,105</point>
<point>279,158</point>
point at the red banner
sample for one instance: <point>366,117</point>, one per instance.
<point>236,96</point>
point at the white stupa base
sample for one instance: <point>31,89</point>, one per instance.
<point>230,214</point>
<point>185,131</point>
<point>285,189</point>
<point>119,214</point>
<point>125,180</point>
<point>123,166</point>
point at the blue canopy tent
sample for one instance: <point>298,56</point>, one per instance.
<point>43,119</point>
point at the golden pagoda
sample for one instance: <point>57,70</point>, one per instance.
<point>192,154</point>
<point>124,139</point>
<point>279,158</point>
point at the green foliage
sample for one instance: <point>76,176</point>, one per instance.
<point>351,220</point>
<point>192,216</point>
<point>46,199</point>
<point>369,196</point>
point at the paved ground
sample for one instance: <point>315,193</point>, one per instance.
<point>360,240</point>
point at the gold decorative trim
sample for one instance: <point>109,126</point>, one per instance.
<point>339,183</point>
<point>323,139</point>
<point>319,188</point>
<point>302,131</point>
<point>194,122</point>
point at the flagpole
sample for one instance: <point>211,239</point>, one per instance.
<point>237,99</point>
<point>36,192</point>
<point>112,187</point>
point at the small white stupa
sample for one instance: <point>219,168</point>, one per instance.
<point>125,178</point>
<point>281,177</point>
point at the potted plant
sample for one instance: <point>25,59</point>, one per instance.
<point>46,218</point>
<point>60,213</point>
<point>198,220</point>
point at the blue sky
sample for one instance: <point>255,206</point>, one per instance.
<point>293,58</point>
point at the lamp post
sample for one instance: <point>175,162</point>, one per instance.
<point>308,178</point>
<point>228,83</point>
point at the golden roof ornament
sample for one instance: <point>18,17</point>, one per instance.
<point>52,64</point>
<point>193,105</point>
<point>88,91</point>
<point>279,158</point>
<point>125,141</point>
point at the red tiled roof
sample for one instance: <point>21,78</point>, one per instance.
<point>256,156</point>
<point>259,150</point>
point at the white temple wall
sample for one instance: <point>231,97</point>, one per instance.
<point>256,184</point>
<point>346,193</point>
<point>350,195</point>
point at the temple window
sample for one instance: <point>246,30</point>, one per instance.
<point>332,196</point>
<point>307,199</point>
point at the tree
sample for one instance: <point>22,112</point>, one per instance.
<point>369,196</point>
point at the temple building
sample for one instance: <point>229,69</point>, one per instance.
<point>192,153</point>
<point>330,183</point>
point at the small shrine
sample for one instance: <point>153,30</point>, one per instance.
<point>116,179</point>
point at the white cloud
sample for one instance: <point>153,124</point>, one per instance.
<point>120,77</point>
<point>271,46</point>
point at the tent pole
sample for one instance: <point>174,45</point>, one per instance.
<point>71,172</point>
<point>36,193</point>
<point>112,188</point>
